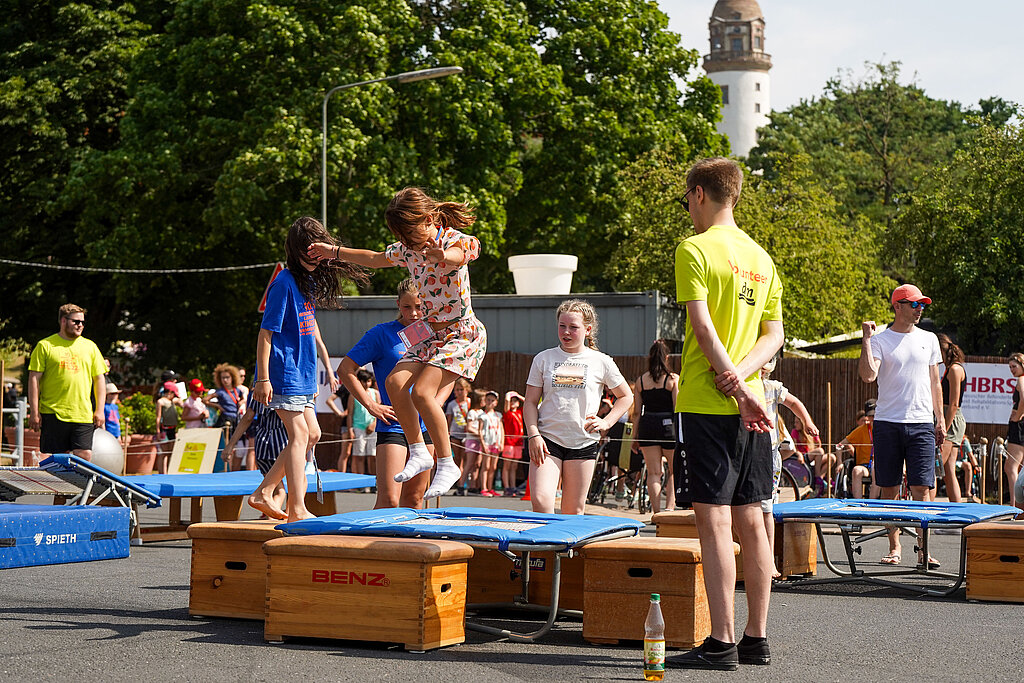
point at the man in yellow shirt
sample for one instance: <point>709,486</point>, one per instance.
<point>733,298</point>
<point>61,371</point>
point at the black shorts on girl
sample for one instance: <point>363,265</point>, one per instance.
<point>1015,433</point>
<point>656,429</point>
<point>398,439</point>
<point>723,463</point>
<point>563,453</point>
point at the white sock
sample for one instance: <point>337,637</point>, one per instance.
<point>419,461</point>
<point>444,478</point>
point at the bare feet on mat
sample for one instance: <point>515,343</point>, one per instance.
<point>265,506</point>
<point>444,478</point>
<point>305,514</point>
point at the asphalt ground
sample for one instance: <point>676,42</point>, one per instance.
<point>128,620</point>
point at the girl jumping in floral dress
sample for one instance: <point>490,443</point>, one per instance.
<point>431,246</point>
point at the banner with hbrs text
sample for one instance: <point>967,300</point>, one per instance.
<point>988,396</point>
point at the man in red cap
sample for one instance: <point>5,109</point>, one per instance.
<point>908,416</point>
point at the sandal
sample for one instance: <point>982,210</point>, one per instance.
<point>932,563</point>
<point>892,558</point>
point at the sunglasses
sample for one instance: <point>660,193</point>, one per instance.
<point>913,304</point>
<point>686,204</point>
<point>75,322</point>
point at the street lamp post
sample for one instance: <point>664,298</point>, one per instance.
<point>406,77</point>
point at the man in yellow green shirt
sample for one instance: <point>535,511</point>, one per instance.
<point>62,370</point>
<point>733,298</point>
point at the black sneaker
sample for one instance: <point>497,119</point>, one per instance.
<point>753,650</point>
<point>700,658</point>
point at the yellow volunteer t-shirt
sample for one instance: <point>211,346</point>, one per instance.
<point>738,280</point>
<point>68,367</point>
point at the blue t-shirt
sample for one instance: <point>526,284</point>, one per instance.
<point>382,347</point>
<point>292,319</point>
<point>113,419</point>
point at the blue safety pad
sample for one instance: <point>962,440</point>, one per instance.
<point>237,483</point>
<point>881,511</point>
<point>73,463</point>
<point>504,527</point>
<point>32,535</point>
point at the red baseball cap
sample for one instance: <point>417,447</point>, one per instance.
<point>909,293</point>
<point>196,385</point>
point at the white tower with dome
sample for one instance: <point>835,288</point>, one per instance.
<point>739,66</point>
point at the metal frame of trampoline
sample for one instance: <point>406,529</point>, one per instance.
<point>852,546</point>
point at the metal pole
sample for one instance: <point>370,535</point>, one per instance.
<point>405,77</point>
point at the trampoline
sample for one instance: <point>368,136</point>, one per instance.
<point>228,491</point>
<point>515,534</point>
<point>919,517</point>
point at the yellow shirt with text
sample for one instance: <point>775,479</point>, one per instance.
<point>741,286</point>
<point>68,367</point>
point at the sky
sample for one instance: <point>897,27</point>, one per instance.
<point>954,50</point>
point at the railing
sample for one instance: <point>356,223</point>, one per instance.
<point>742,56</point>
<point>20,411</point>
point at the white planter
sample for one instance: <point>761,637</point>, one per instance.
<point>543,273</point>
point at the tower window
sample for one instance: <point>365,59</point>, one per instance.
<point>757,87</point>
<point>757,107</point>
<point>757,42</point>
<point>725,94</point>
<point>736,44</point>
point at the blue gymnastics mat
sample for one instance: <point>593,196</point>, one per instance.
<point>863,511</point>
<point>507,528</point>
<point>240,483</point>
<point>32,535</point>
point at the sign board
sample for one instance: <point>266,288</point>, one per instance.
<point>195,451</point>
<point>988,396</point>
<point>278,267</point>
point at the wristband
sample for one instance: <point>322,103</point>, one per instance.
<point>337,251</point>
<point>533,436</point>
<point>261,380</point>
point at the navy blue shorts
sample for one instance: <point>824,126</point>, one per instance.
<point>898,443</point>
<point>722,463</point>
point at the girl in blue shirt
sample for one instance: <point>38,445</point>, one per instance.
<point>286,352</point>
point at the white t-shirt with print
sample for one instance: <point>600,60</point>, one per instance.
<point>572,385</point>
<point>904,374</point>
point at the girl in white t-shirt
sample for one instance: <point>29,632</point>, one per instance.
<point>492,439</point>
<point>564,430</point>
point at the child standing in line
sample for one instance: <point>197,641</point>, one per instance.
<point>492,439</point>
<point>564,431</point>
<point>361,425</point>
<point>436,253</point>
<point>286,353</point>
<point>111,413</point>
<point>194,411</point>
<point>472,466</point>
<point>457,413</point>
<point>512,453</point>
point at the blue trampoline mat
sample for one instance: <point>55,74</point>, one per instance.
<point>237,483</point>
<point>915,511</point>
<point>485,525</point>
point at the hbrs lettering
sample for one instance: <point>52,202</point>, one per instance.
<point>350,578</point>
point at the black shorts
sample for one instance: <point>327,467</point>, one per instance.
<point>656,429</point>
<point>264,466</point>
<point>897,443</point>
<point>1015,433</point>
<point>723,463</point>
<point>57,436</point>
<point>398,439</point>
<point>563,453</point>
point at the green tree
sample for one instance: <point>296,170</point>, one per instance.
<point>870,140</point>
<point>219,148</point>
<point>829,272</point>
<point>63,89</point>
<point>964,233</point>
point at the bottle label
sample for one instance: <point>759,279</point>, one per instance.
<point>654,655</point>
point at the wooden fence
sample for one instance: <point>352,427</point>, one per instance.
<point>830,387</point>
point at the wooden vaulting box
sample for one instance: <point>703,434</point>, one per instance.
<point>619,577</point>
<point>229,569</point>
<point>494,578</point>
<point>367,588</point>
<point>995,561</point>
<point>796,547</point>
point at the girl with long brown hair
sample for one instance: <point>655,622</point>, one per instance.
<point>451,343</point>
